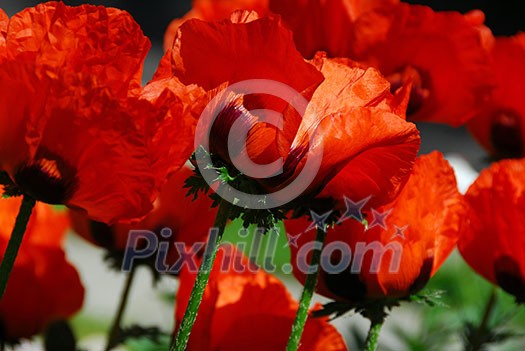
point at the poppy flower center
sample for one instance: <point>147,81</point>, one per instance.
<point>505,134</point>
<point>47,178</point>
<point>419,92</point>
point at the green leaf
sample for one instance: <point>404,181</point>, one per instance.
<point>432,298</point>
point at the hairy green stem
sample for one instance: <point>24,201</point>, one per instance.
<point>15,241</point>
<point>372,340</point>
<point>308,291</point>
<point>190,315</point>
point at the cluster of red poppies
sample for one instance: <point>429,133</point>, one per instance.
<point>78,128</point>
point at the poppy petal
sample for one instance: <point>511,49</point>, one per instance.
<point>237,51</point>
<point>209,10</point>
<point>365,152</point>
<point>434,212</point>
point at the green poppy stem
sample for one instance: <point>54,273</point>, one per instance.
<point>15,241</point>
<point>116,326</point>
<point>372,340</point>
<point>190,315</point>
<point>308,291</point>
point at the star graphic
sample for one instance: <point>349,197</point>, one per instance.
<point>353,209</point>
<point>379,218</point>
<point>318,221</point>
<point>400,232</point>
<point>292,239</point>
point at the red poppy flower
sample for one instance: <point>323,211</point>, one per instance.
<point>500,125</point>
<point>493,242</point>
<point>443,54</point>
<point>249,311</point>
<point>351,112</point>
<point>405,243</point>
<point>189,221</point>
<point>210,10</point>
<point>43,286</point>
<point>82,131</point>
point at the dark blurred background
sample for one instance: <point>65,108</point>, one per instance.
<point>504,17</point>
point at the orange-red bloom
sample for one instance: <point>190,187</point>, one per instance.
<point>500,125</point>
<point>189,221</point>
<point>494,241</point>
<point>43,286</point>
<point>443,55</point>
<point>405,243</point>
<point>351,123</point>
<point>82,131</point>
<point>249,311</point>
